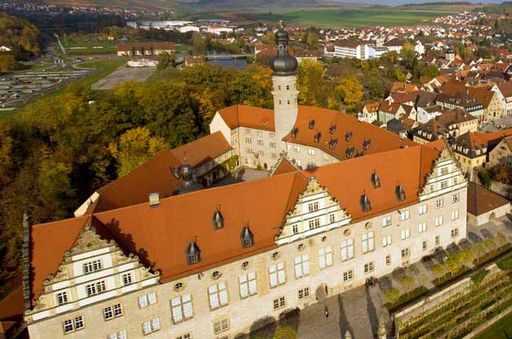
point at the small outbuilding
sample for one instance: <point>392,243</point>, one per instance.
<point>485,205</point>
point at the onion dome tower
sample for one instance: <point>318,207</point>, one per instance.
<point>284,79</point>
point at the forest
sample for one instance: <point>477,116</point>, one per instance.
<point>20,36</point>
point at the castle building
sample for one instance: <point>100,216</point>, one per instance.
<point>339,207</point>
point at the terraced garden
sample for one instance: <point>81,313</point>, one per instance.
<point>464,311</point>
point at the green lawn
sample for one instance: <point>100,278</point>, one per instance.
<point>347,17</point>
<point>500,330</point>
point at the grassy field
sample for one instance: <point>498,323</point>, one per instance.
<point>338,17</point>
<point>89,47</point>
<point>500,330</point>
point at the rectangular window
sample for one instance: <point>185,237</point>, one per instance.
<point>75,324</point>
<point>277,274</point>
<point>455,232</point>
<point>405,253</point>
<point>62,298</point>
<point>386,240</point>
<point>247,284</point>
<point>301,266</point>
<point>218,295</point>
<point>405,233</point>
<point>127,278</point>
<point>348,275</point>
<point>332,218</point>
<point>304,293</point>
<point>438,220</point>
<point>92,266</point>
<point>347,249</point>
<point>425,246</point>
<point>368,243</point>
<point>438,240</point>
<point>325,257</point>
<point>439,203</point>
<point>279,303</point>
<point>404,215</point>
<point>181,308</point>
<point>184,336</point>
<point>150,326</point>
<point>95,288</point>
<point>455,215</point>
<point>259,142</point>
<point>295,229</point>
<point>111,312</point>
<point>455,198</point>
<point>313,206</point>
<point>444,184</point>
<point>422,209</point>
<point>147,299</point>
<point>118,335</point>
<point>369,267</point>
<point>248,141</point>
<point>221,326</point>
<point>386,221</point>
<point>422,227</point>
<point>388,260</point>
<point>314,223</point>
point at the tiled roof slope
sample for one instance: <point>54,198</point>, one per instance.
<point>155,175</point>
<point>482,200</point>
<point>160,235</point>
<point>248,116</point>
<point>380,139</point>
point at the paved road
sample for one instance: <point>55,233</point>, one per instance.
<point>356,310</point>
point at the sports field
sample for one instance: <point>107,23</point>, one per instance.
<point>348,17</point>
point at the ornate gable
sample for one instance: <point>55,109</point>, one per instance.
<point>71,277</point>
<point>316,211</point>
<point>446,175</point>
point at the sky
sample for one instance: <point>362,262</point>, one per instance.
<point>401,2</point>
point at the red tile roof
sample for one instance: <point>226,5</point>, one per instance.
<point>380,139</point>
<point>481,200</point>
<point>159,236</point>
<point>248,116</point>
<point>203,149</point>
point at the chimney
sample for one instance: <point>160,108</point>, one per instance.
<point>154,199</point>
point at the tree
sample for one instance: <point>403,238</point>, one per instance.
<point>7,62</point>
<point>166,60</point>
<point>311,37</point>
<point>466,257</point>
<point>310,83</point>
<point>439,270</point>
<point>349,90</point>
<point>408,55</point>
<point>135,147</point>
<point>285,332</point>
<point>453,262</point>
<point>485,178</point>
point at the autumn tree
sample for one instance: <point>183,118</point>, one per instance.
<point>408,55</point>
<point>310,83</point>
<point>134,148</point>
<point>349,90</point>
<point>166,60</point>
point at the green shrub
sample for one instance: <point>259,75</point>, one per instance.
<point>285,332</point>
<point>478,277</point>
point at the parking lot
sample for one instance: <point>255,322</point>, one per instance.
<point>18,88</point>
<point>493,126</point>
<point>122,74</point>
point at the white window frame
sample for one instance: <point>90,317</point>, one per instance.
<point>386,240</point>
<point>325,257</point>
<point>422,227</point>
<point>301,264</point>
<point>347,249</point>
<point>277,274</point>
<point>405,233</point>
<point>247,285</point>
<point>218,295</point>
<point>368,242</point>
<point>181,308</point>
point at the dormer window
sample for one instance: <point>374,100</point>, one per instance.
<point>318,136</point>
<point>332,129</point>
<point>247,237</point>
<point>400,192</point>
<point>295,131</point>
<point>348,136</point>
<point>217,220</point>
<point>311,124</point>
<point>193,253</point>
<point>365,203</point>
<point>375,180</point>
<point>366,144</point>
<point>349,152</point>
<point>333,143</point>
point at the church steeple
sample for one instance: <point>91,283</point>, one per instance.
<point>284,79</point>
